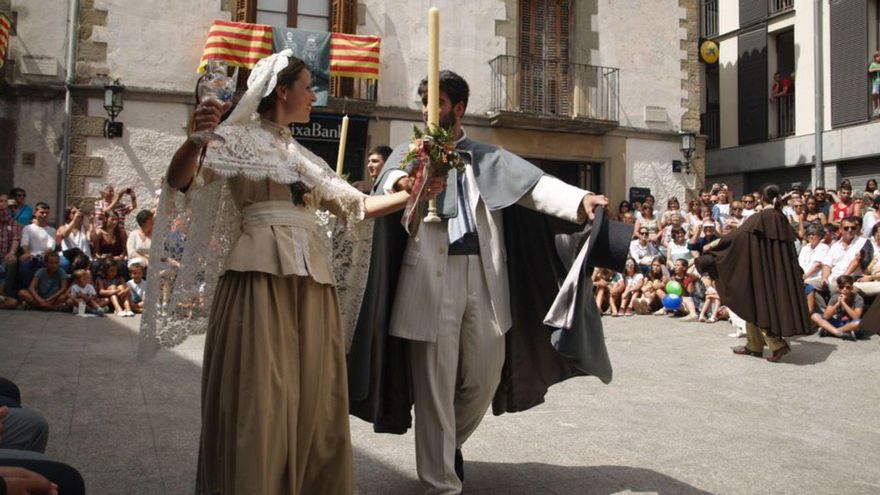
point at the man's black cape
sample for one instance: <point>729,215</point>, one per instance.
<point>537,356</point>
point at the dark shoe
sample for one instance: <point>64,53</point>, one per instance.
<point>777,354</point>
<point>848,336</point>
<point>745,351</point>
<point>823,332</point>
<point>459,465</point>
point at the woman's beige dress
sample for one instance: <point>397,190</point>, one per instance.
<point>274,390</point>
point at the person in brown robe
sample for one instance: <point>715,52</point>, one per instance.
<point>760,280</point>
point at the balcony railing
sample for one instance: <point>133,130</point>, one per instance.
<point>354,89</point>
<point>780,5</point>
<point>784,115</point>
<point>710,126</point>
<point>709,18</point>
<point>554,88</point>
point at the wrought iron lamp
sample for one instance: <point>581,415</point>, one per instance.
<point>113,104</point>
<point>688,148</point>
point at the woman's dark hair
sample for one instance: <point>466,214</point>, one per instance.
<point>771,195</point>
<point>868,184</point>
<point>67,212</point>
<point>874,229</point>
<point>455,87</point>
<point>384,151</point>
<point>286,78</point>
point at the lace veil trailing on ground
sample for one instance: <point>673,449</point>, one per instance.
<point>195,230</point>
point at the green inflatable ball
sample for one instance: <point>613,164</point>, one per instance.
<point>673,287</point>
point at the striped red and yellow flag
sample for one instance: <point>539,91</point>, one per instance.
<point>5,28</point>
<point>352,55</point>
<point>240,43</point>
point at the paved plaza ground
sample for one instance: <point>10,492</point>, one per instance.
<point>682,415</point>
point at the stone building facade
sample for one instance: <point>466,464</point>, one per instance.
<point>615,84</point>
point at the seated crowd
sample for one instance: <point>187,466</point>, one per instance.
<point>838,246</point>
<point>90,264</point>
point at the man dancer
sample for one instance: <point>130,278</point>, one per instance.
<point>456,332</point>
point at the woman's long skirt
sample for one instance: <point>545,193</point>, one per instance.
<point>274,393</point>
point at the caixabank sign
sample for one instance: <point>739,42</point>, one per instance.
<point>321,136</point>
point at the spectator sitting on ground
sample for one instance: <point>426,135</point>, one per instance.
<point>871,217</point>
<point>112,286</point>
<point>822,202</point>
<point>10,240</point>
<point>843,256</point>
<point>673,207</point>
<point>642,249</point>
<point>653,289</point>
<point>749,205</point>
<point>810,259</point>
<point>638,207</point>
<point>677,248</point>
<point>701,239</point>
<point>869,283</point>
<point>604,282</point>
<point>139,241</point>
<point>22,212</point>
<point>736,212</point>
<point>632,284</point>
<point>137,288</point>
<point>692,217</point>
<point>673,221</point>
<point>110,239</point>
<point>859,205</point>
<point>721,209</point>
<point>711,301</point>
<point>687,309</point>
<point>48,287</point>
<point>82,291</point>
<point>628,218</point>
<point>74,237</point>
<point>113,202</point>
<point>36,239</point>
<point>843,207</point>
<point>843,314</point>
<point>812,214</point>
<point>871,190</point>
<point>650,223</point>
<point>623,208</point>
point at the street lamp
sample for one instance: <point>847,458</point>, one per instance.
<point>113,104</point>
<point>688,148</point>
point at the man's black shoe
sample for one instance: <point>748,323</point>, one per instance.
<point>459,465</point>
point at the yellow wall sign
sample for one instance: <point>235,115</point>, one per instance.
<point>709,52</point>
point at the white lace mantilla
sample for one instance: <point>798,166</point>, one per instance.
<point>194,232</point>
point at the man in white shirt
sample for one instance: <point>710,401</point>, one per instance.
<point>843,255</point>
<point>36,239</point>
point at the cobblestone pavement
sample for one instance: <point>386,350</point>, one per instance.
<point>682,415</point>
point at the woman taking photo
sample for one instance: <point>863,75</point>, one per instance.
<point>274,391</point>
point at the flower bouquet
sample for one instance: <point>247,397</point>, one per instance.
<point>431,153</point>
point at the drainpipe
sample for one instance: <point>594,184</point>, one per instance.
<point>72,28</point>
<point>820,92</point>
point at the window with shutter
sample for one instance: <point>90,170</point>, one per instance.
<point>544,56</point>
<point>752,85</point>
<point>849,60</point>
<point>313,15</point>
<point>751,11</point>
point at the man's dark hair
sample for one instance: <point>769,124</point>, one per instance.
<point>15,190</point>
<point>143,217</point>
<point>455,87</point>
<point>815,229</point>
<point>854,219</point>
<point>42,205</point>
<point>383,150</point>
<point>845,186</point>
<point>845,280</point>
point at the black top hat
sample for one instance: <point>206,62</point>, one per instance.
<point>609,243</point>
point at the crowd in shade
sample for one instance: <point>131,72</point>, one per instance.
<point>91,264</point>
<point>838,243</point>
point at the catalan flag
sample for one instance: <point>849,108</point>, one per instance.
<point>241,44</point>
<point>352,55</point>
<point>5,28</point>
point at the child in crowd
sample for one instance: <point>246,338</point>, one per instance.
<point>844,312</point>
<point>653,288</point>
<point>632,280</point>
<point>112,286</point>
<point>680,274</point>
<point>48,288</point>
<point>137,288</point>
<point>83,292</point>
<point>605,282</point>
<point>711,302</point>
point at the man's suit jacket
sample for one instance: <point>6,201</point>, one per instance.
<point>416,310</point>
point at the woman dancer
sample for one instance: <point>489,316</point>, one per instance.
<point>274,392</point>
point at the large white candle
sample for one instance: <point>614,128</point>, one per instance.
<point>433,67</point>
<point>343,135</point>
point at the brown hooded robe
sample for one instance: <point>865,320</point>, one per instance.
<point>758,276</point>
